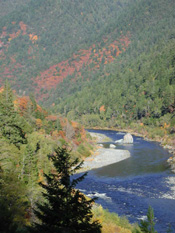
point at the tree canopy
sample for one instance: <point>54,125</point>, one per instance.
<point>66,209</point>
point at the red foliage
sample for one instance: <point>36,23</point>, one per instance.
<point>23,27</point>
<point>62,133</point>
<point>22,104</point>
<point>51,77</point>
<point>51,118</point>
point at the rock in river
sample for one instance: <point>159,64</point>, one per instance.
<point>128,138</point>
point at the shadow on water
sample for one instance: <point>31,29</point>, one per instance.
<point>130,186</point>
<point>146,157</point>
<point>129,167</point>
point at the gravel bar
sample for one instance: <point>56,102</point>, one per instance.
<point>103,157</point>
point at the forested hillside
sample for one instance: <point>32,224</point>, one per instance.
<point>102,64</point>
<point>108,63</point>
<point>28,135</point>
<point>139,85</point>
<point>39,34</point>
<point>41,151</point>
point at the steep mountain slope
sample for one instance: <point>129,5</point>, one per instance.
<point>140,83</point>
<point>40,34</point>
<point>110,61</point>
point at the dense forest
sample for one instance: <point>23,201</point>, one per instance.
<point>38,152</point>
<point>139,85</point>
<point>104,64</point>
<point>28,135</point>
<point>115,59</point>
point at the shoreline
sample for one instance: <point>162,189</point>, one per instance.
<point>103,156</point>
<point>171,149</point>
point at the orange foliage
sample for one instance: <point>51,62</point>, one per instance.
<point>22,104</point>
<point>166,125</point>
<point>14,35</point>
<point>33,38</point>
<point>102,108</point>
<point>23,27</point>
<point>83,134</point>
<point>74,124</point>
<point>62,134</point>
<point>51,118</point>
<point>1,89</point>
<point>51,77</point>
<point>39,108</point>
<point>41,177</point>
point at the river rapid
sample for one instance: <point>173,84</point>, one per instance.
<point>128,187</point>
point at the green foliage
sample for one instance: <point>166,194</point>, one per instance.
<point>11,125</point>
<point>83,150</point>
<point>13,203</point>
<point>30,170</point>
<point>9,155</point>
<point>111,222</point>
<point>65,208</point>
<point>147,226</point>
<point>137,86</point>
<point>55,41</point>
<point>24,162</point>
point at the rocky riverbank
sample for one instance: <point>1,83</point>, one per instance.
<point>169,145</point>
<point>104,156</point>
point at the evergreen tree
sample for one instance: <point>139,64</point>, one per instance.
<point>13,203</point>
<point>11,125</point>
<point>65,209</point>
<point>147,226</point>
<point>30,170</point>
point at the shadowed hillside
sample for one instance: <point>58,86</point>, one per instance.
<point>109,63</point>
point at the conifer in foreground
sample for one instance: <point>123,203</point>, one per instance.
<point>147,226</point>
<point>65,208</point>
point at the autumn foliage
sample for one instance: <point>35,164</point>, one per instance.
<point>91,58</point>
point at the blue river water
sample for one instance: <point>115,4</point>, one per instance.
<point>130,186</point>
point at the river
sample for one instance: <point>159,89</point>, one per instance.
<point>130,186</point>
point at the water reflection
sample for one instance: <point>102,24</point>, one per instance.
<point>146,157</point>
<point>130,186</point>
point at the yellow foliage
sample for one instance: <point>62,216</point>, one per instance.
<point>39,123</point>
<point>33,37</point>
<point>15,102</point>
<point>166,125</point>
<point>111,222</point>
<point>112,228</point>
<point>41,178</point>
<point>55,134</point>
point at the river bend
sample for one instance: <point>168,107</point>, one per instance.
<point>130,186</point>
